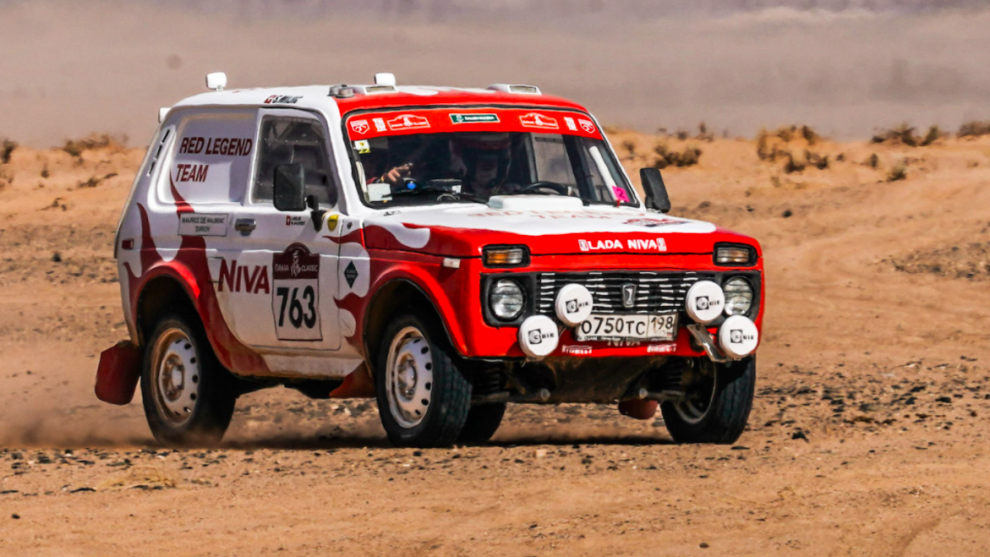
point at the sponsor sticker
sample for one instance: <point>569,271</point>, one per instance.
<point>632,244</point>
<point>296,294</point>
<point>282,99</point>
<point>738,336</point>
<point>408,122</point>
<point>474,118</point>
<point>570,123</point>
<point>587,125</point>
<point>576,350</point>
<point>202,224</point>
<point>332,221</point>
<point>350,274</point>
<point>539,121</point>
<point>360,127</point>
<point>294,220</point>
<point>362,146</point>
<point>379,124</point>
<point>661,348</point>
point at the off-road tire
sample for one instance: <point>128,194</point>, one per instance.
<point>450,391</point>
<point>215,393</point>
<point>482,423</point>
<point>728,413</point>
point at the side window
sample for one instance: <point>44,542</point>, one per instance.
<point>211,160</point>
<point>294,141</point>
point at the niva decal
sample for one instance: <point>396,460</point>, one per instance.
<point>241,278</point>
<point>634,244</point>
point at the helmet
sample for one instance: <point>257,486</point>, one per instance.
<point>481,160</point>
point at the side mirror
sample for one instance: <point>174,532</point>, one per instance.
<point>290,187</point>
<point>656,192</point>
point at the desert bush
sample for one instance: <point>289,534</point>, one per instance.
<point>666,157</point>
<point>873,161</point>
<point>903,134</point>
<point>816,160</point>
<point>794,164</point>
<point>95,141</point>
<point>974,129</point>
<point>897,172</point>
<point>630,146</point>
<point>704,134</point>
<point>6,148</point>
<point>934,133</point>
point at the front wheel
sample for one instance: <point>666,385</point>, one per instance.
<point>717,406</point>
<point>423,399</point>
<point>187,394</point>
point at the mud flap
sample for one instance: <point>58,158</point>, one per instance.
<point>639,409</point>
<point>118,374</point>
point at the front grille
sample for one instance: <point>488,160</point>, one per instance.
<point>656,291</point>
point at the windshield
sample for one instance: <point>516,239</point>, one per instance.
<point>471,166</point>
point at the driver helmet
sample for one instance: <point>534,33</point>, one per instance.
<point>481,160</point>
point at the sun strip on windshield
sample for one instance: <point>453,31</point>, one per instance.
<point>367,125</point>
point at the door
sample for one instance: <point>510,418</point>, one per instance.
<point>277,280</point>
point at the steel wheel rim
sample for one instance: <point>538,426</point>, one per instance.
<point>409,377</point>
<point>175,376</point>
<point>695,408</point>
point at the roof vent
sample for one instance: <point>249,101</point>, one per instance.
<point>216,81</point>
<point>385,78</point>
<point>516,88</point>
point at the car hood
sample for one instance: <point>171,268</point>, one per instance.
<point>463,231</point>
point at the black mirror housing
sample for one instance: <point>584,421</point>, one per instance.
<point>656,191</point>
<point>290,187</point>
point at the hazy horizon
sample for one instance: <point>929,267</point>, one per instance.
<point>845,67</point>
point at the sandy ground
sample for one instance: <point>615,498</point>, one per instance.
<point>869,434</point>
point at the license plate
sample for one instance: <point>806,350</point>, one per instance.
<point>621,327</point>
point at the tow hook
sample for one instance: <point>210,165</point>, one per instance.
<point>701,336</point>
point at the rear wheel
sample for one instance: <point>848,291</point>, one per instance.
<point>718,403</point>
<point>423,399</point>
<point>188,396</point>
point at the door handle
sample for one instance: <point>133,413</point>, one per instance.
<point>245,225</point>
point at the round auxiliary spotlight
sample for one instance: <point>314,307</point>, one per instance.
<point>738,337</point>
<point>704,302</point>
<point>538,336</point>
<point>573,304</point>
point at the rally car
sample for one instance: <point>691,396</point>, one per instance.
<point>445,250</point>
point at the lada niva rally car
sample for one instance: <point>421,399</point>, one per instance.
<point>445,250</point>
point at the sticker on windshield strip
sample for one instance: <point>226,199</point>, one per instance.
<point>537,120</point>
<point>408,122</point>
<point>474,118</point>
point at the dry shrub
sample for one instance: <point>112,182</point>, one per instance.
<point>682,135</point>
<point>816,160</point>
<point>932,136</point>
<point>704,134</point>
<point>630,147</point>
<point>873,161</point>
<point>95,181</point>
<point>773,145</point>
<point>93,142</point>
<point>6,148</point>
<point>974,129</point>
<point>794,163</point>
<point>666,157</point>
<point>901,135</point>
<point>897,172</point>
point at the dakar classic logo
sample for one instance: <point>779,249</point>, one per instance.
<point>537,120</point>
<point>408,122</point>
<point>634,244</point>
<point>359,127</point>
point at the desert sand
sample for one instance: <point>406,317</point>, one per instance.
<point>870,433</point>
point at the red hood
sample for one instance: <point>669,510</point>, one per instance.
<point>462,231</point>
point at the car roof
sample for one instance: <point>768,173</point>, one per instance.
<point>318,97</point>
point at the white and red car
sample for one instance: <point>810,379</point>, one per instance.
<point>445,250</point>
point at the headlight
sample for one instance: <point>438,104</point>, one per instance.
<point>738,296</point>
<point>735,255</point>
<point>506,300</point>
